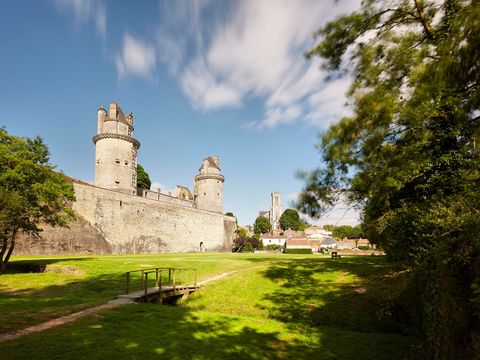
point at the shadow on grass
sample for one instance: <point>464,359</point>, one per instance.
<point>317,312</point>
<point>151,331</point>
<point>357,297</point>
<point>36,265</point>
<point>33,299</point>
<point>361,297</point>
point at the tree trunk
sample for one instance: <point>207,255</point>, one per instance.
<point>4,248</point>
<point>2,253</point>
<point>12,246</point>
<point>4,262</point>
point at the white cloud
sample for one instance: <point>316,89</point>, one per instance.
<point>199,84</point>
<point>341,214</point>
<point>328,104</point>
<point>252,49</point>
<point>164,189</point>
<point>85,12</point>
<point>137,57</point>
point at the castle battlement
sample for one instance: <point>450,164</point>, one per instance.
<point>116,164</point>
<point>117,217</point>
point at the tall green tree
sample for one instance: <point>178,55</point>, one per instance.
<point>143,179</point>
<point>31,191</point>
<point>347,231</point>
<point>290,220</point>
<point>262,225</point>
<point>408,156</point>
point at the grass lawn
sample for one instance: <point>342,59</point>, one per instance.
<point>281,306</point>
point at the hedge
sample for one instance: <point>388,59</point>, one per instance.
<point>298,251</point>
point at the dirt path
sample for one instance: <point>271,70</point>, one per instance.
<point>109,305</point>
<point>225,274</point>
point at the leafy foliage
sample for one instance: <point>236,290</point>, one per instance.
<point>347,231</point>
<point>143,179</point>
<point>31,192</point>
<point>274,247</point>
<point>408,156</point>
<point>298,251</point>
<point>290,220</point>
<point>262,225</point>
<point>244,243</point>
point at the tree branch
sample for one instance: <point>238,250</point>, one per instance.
<point>423,20</point>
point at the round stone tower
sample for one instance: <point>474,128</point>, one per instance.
<point>115,150</point>
<point>208,186</point>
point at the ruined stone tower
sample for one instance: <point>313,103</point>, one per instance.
<point>276,211</point>
<point>115,150</point>
<point>208,188</point>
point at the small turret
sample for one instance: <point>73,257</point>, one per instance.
<point>102,116</point>
<point>208,188</point>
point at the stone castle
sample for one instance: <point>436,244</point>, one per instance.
<point>117,217</point>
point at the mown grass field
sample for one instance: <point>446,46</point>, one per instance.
<point>280,306</point>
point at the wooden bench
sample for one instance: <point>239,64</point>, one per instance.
<point>335,255</point>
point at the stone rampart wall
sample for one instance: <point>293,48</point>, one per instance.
<point>132,224</point>
<point>119,223</point>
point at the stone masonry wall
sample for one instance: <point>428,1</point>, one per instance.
<point>118,223</point>
<point>133,224</point>
<point>79,238</point>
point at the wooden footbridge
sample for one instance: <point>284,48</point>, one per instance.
<point>159,284</point>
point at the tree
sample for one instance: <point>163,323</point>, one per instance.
<point>408,156</point>
<point>262,225</point>
<point>244,243</point>
<point>290,220</point>
<point>347,232</point>
<point>31,191</point>
<point>329,227</point>
<point>143,179</point>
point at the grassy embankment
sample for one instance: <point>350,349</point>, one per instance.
<point>287,306</point>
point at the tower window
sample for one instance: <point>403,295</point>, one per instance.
<point>204,193</point>
<point>126,162</point>
<point>98,162</point>
<point>117,182</point>
<point>117,161</point>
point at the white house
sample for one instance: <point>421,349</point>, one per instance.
<point>268,239</point>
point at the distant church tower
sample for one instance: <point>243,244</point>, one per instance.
<point>276,211</point>
<point>115,150</point>
<point>208,188</point>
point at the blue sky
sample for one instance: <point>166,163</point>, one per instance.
<point>201,78</point>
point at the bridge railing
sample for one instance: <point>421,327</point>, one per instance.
<point>173,277</point>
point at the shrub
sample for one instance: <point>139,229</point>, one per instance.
<point>273,247</point>
<point>298,251</point>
